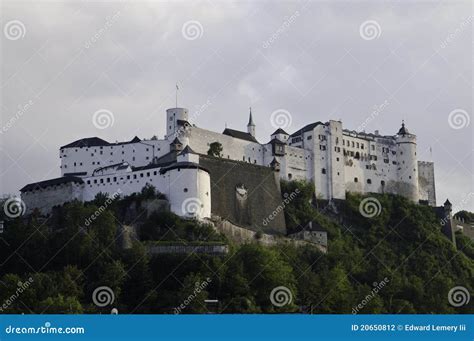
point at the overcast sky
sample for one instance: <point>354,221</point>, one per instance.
<point>62,61</point>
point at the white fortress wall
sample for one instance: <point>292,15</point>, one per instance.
<point>86,159</point>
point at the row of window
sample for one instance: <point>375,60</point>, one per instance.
<point>114,179</point>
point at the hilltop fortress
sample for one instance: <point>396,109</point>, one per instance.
<point>242,182</point>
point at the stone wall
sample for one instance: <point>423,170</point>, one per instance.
<point>245,194</point>
<point>241,235</point>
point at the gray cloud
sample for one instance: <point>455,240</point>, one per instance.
<point>79,57</point>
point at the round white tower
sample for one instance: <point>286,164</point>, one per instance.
<point>407,164</point>
<point>175,118</point>
<point>189,190</point>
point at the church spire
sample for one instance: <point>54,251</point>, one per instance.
<point>251,125</point>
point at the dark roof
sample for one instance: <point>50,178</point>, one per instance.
<point>250,119</point>
<point>187,150</point>
<point>403,130</point>
<point>447,203</point>
<point>96,142</point>
<point>306,128</point>
<point>176,141</point>
<point>239,135</point>
<point>182,122</point>
<point>87,142</point>
<point>280,131</point>
<point>276,141</point>
<point>183,165</point>
<point>52,182</point>
<point>75,174</point>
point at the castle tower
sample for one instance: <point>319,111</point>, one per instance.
<point>407,164</point>
<point>251,125</point>
<point>175,118</point>
<point>447,221</point>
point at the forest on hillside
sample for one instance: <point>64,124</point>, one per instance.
<point>59,262</point>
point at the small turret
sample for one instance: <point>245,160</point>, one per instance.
<point>251,125</point>
<point>448,207</point>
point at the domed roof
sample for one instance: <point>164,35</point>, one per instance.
<point>403,130</point>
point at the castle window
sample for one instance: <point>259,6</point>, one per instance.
<point>382,183</point>
<point>337,139</point>
<point>357,144</point>
<point>373,147</point>
<point>309,137</point>
<point>146,149</point>
<point>134,176</point>
<point>147,158</point>
<point>88,182</point>
<point>243,158</point>
<point>93,162</point>
<point>362,146</point>
<point>128,177</point>
<point>98,162</point>
<point>337,159</point>
<point>92,154</point>
<point>133,158</point>
<point>115,178</point>
<point>141,175</point>
<point>290,176</point>
<point>65,166</point>
<point>101,152</point>
<point>185,190</point>
<point>80,163</point>
<point>353,144</point>
<point>101,147</point>
<point>323,170</point>
<point>369,181</point>
<point>147,173</point>
<point>74,164</point>
<point>357,156</point>
<point>95,181</point>
<point>409,177</point>
<point>356,180</point>
<point>343,142</point>
<point>108,179</point>
<point>101,181</point>
<point>154,173</point>
<point>385,160</point>
<point>123,152</point>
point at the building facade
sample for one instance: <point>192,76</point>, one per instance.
<point>334,159</point>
